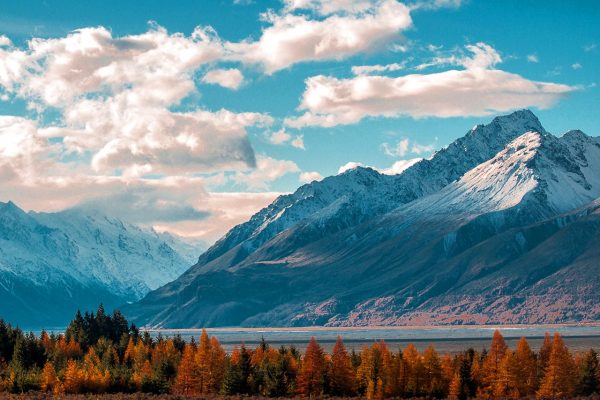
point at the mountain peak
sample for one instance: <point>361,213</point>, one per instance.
<point>517,122</point>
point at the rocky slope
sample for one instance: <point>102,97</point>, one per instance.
<point>53,263</point>
<point>452,239</point>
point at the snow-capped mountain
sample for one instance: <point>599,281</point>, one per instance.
<point>448,240</point>
<point>53,263</point>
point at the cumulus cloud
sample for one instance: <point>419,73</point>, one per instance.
<point>399,166</point>
<point>396,168</point>
<point>348,166</point>
<point>476,90</point>
<point>307,177</point>
<point>533,58</point>
<point>5,41</point>
<point>281,137</point>
<point>226,210</point>
<point>344,28</point>
<point>121,143</point>
<point>267,170</point>
<point>116,96</point>
<point>228,78</point>
<point>298,142</point>
<point>576,65</point>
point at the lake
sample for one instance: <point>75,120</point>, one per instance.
<point>445,339</point>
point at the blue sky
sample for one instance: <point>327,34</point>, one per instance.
<point>532,54</point>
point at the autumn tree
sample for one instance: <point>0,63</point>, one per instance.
<point>433,384</point>
<point>310,377</point>
<point>188,374</point>
<point>48,380</point>
<point>73,378</point>
<point>525,370</point>
<point>544,355</point>
<point>559,379</point>
<point>490,373</point>
<point>414,370</point>
<point>341,375</point>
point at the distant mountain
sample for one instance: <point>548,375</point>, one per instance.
<point>460,238</point>
<point>51,264</point>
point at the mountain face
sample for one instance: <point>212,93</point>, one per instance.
<point>51,264</point>
<point>500,226</point>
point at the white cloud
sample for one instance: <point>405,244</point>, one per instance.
<point>5,41</point>
<point>398,150</point>
<point>589,47</point>
<point>293,38</point>
<point>116,96</point>
<point>228,78</point>
<point>328,7</point>
<point>576,66</point>
<point>533,58</point>
<point>267,170</point>
<point>226,211</point>
<point>478,89</point>
<point>349,165</point>
<point>279,137</point>
<point>480,56</point>
<point>422,148</point>
<point>399,166</point>
<point>298,142</point>
<point>307,177</point>
<point>435,4</point>
<point>120,143</point>
<point>369,69</point>
<point>405,146</point>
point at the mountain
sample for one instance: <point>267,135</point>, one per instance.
<point>51,264</point>
<point>463,237</point>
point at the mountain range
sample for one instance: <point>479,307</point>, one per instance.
<point>52,264</point>
<point>500,226</point>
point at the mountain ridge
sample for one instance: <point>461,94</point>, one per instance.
<point>375,249</point>
<point>51,264</point>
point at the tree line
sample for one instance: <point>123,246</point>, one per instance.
<point>102,353</point>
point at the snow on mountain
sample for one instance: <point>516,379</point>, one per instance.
<point>58,262</point>
<point>322,208</point>
<point>561,173</point>
<point>362,247</point>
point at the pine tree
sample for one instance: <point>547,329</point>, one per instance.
<point>590,370</point>
<point>432,382</point>
<point>415,370</point>
<point>203,362</point>
<point>73,379</point>
<point>525,369</point>
<point>455,391</point>
<point>342,374</point>
<point>491,364</point>
<point>559,379</point>
<point>48,380</point>
<point>188,376</point>
<point>310,377</point>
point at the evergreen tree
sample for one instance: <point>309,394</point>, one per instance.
<point>341,375</point>
<point>559,379</point>
<point>310,377</point>
<point>590,370</point>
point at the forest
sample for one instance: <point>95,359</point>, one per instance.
<point>102,353</point>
